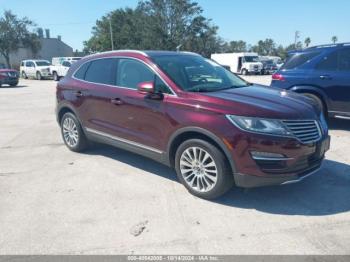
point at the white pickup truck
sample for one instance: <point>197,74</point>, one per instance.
<point>61,65</point>
<point>60,70</point>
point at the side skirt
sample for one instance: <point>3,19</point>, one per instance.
<point>140,149</point>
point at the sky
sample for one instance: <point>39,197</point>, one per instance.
<point>250,21</point>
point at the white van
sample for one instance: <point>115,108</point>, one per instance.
<point>240,63</point>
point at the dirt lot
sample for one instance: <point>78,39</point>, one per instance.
<point>108,201</point>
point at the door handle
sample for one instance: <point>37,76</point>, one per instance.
<point>117,101</point>
<point>325,77</point>
<point>78,94</point>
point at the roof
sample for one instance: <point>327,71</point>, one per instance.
<point>148,53</point>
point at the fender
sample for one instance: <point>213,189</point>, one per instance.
<point>62,105</point>
<point>312,90</point>
<point>204,132</point>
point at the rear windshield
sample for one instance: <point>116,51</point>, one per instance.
<point>298,59</point>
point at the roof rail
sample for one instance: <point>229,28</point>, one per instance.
<point>329,45</point>
<point>119,51</point>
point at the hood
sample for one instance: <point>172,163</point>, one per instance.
<point>265,102</point>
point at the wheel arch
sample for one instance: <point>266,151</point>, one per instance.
<point>186,133</point>
<point>314,90</point>
<point>65,108</point>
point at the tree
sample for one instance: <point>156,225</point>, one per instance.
<point>334,39</point>
<point>14,34</point>
<point>307,41</point>
<point>237,46</point>
<point>157,24</point>
<point>266,47</point>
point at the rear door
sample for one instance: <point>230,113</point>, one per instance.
<point>332,74</point>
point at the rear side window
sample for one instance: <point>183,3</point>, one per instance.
<point>329,62</point>
<point>299,59</point>
<point>101,71</point>
<point>344,60</point>
<point>80,74</point>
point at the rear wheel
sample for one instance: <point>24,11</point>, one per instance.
<point>24,75</point>
<point>72,133</point>
<point>203,169</point>
<point>244,72</point>
<point>55,76</point>
<point>14,84</point>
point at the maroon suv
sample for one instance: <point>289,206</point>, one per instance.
<point>189,113</point>
<point>8,76</point>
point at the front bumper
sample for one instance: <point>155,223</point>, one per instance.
<point>300,161</point>
<point>9,80</point>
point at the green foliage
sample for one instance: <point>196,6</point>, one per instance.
<point>307,41</point>
<point>14,34</point>
<point>156,24</point>
<point>334,39</point>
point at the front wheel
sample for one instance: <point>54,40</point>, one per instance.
<point>244,72</point>
<point>203,169</point>
<point>72,133</point>
<point>38,76</point>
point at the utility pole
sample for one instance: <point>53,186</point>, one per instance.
<point>111,32</point>
<point>296,37</point>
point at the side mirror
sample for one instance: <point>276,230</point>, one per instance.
<point>146,87</point>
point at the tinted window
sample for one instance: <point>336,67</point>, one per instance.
<point>66,64</point>
<point>101,71</point>
<point>344,60</point>
<point>80,74</point>
<point>161,87</point>
<point>29,64</point>
<point>132,72</point>
<point>299,59</point>
<point>328,62</point>
<point>42,63</point>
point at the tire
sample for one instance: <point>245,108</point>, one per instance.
<point>55,76</point>
<point>24,75</point>
<point>38,76</point>
<point>207,185</point>
<point>72,133</point>
<point>244,72</point>
<point>14,84</point>
<point>318,101</point>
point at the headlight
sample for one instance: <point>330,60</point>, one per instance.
<point>259,125</point>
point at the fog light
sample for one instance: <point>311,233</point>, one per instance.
<point>267,156</point>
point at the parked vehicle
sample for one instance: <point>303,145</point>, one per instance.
<point>8,76</point>
<point>321,73</point>
<point>191,114</point>
<point>269,67</point>
<point>60,71</point>
<point>60,60</point>
<point>240,63</point>
<point>38,69</point>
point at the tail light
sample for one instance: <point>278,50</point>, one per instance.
<point>278,77</point>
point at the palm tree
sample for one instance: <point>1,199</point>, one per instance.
<point>334,39</point>
<point>307,41</point>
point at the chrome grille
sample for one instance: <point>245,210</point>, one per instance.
<point>307,131</point>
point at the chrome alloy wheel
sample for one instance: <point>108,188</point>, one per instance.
<point>198,169</point>
<point>70,132</point>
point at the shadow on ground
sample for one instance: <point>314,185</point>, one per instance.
<point>325,193</point>
<point>18,86</point>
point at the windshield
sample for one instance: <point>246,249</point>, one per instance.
<point>251,59</point>
<point>42,63</point>
<point>197,74</point>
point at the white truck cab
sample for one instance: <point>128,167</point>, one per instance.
<point>38,69</point>
<point>61,65</point>
<point>240,63</point>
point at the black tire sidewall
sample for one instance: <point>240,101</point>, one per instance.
<point>38,76</point>
<point>225,176</point>
<point>82,142</point>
